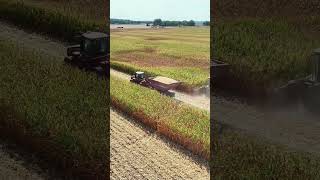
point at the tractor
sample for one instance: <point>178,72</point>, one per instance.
<point>91,53</point>
<point>163,85</point>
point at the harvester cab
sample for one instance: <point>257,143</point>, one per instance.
<point>138,77</point>
<point>91,52</point>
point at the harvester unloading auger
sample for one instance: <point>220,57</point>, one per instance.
<point>91,54</point>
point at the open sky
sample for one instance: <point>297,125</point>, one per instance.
<point>198,10</point>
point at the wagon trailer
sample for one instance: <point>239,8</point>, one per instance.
<point>162,84</point>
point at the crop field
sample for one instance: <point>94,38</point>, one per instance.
<point>188,126</point>
<point>55,101</point>
<point>268,43</point>
<point>237,155</point>
<point>264,53</point>
<point>82,9</point>
<point>62,23</point>
<point>179,53</point>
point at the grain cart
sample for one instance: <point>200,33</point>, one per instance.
<point>92,53</point>
<point>159,83</point>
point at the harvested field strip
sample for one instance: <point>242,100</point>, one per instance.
<point>143,58</point>
<point>263,53</point>
<point>160,52</point>
<point>42,20</point>
<point>240,156</point>
<point>185,125</point>
<point>183,31</point>
<point>189,76</point>
<point>139,153</point>
<point>54,101</point>
<point>164,37</point>
<point>200,50</point>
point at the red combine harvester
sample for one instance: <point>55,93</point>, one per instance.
<point>159,83</point>
<point>92,53</point>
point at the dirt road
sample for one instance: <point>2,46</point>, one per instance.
<point>291,126</point>
<point>32,40</point>
<point>139,153</point>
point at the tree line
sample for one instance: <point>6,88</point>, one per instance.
<point>158,22</point>
<point>126,21</point>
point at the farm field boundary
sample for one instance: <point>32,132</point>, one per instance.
<point>184,125</point>
<point>45,106</point>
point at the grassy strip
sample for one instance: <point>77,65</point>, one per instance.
<point>183,124</point>
<point>239,156</point>
<point>57,102</point>
<point>263,53</point>
<point>43,20</point>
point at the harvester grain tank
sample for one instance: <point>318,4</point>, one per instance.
<point>159,83</point>
<point>92,53</point>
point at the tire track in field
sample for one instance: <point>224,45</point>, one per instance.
<point>139,153</point>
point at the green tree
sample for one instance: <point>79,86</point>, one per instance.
<point>157,22</point>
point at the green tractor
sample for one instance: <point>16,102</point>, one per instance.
<point>91,53</point>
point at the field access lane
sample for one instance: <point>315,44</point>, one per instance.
<point>292,126</point>
<point>31,40</point>
<point>139,153</point>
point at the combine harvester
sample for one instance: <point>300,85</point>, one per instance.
<point>159,83</point>
<point>91,54</point>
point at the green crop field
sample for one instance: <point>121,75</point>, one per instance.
<point>265,53</point>
<point>63,23</point>
<point>239,156</point>
<point>55,101</point>
<point>93,10</point>
<point>179,53</point>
